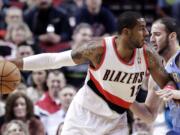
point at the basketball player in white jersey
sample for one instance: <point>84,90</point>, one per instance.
<point>117,66</point>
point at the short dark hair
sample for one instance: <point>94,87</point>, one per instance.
<point>127,20</point>
<point>171,25</point>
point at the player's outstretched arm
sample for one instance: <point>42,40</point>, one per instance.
<point>88,52</point>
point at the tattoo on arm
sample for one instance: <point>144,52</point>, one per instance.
<point>154,60</point>
<point>156,68</point>
<point>88,52</point>
<point>98,58</point>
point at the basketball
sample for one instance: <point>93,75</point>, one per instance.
<point>10,77</point>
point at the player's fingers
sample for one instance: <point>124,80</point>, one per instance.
<point>162,92</point>
<point>167,98</point>
<point>159,92</point>
<point>166,95</point>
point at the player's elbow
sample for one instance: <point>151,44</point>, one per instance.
<point>150,118</point>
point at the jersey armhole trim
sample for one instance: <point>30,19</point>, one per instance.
<point>146,60</point>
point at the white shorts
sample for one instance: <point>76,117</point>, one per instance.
<point>81,121</point>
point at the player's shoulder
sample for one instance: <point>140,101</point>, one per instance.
<point>96,42</point>
<point>88,51</point>
<point>94,45</point>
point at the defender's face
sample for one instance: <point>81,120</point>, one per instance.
<point>159,37</point>
<point>139,33</point>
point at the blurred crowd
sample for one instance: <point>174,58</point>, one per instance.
<point>27,27</point>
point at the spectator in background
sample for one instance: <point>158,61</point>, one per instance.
<point>49,25</point>
<point>101,19</point>
<point>7,50</point>
<point>21,34</point>
<point>37,83</point>
<point>22,87</point>
<point>57,2</point>
<point>24,50</point>
<point>2,20</point>
<point>76,75</point>
<point>13,16</point>
<point>21,4</point>
<point>20,107</point>
<point>2,107</point>
<point>72,7</point>
<point>49,103</point>
<point>176,10</point>
<point>18,33</point>
<point>15,127</point>
<point>31,4</point>
<point>79,3</point>
<point>65,95</point>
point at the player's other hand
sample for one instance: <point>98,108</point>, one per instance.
<point>167,95</point>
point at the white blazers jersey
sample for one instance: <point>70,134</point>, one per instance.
<point>115,81</point>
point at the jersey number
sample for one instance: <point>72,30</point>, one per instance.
<point>133,90</point>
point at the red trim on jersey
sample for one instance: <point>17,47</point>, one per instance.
<point>111,98</point>
<point>119,57</point>
<point>102,59</point>
<point>146,60</point>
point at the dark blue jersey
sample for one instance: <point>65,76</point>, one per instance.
<point>173,69</point>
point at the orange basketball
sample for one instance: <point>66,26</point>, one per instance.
<point>10,77</point>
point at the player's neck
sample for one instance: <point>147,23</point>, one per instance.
<point>122,49</point>
<point>170,51</point>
